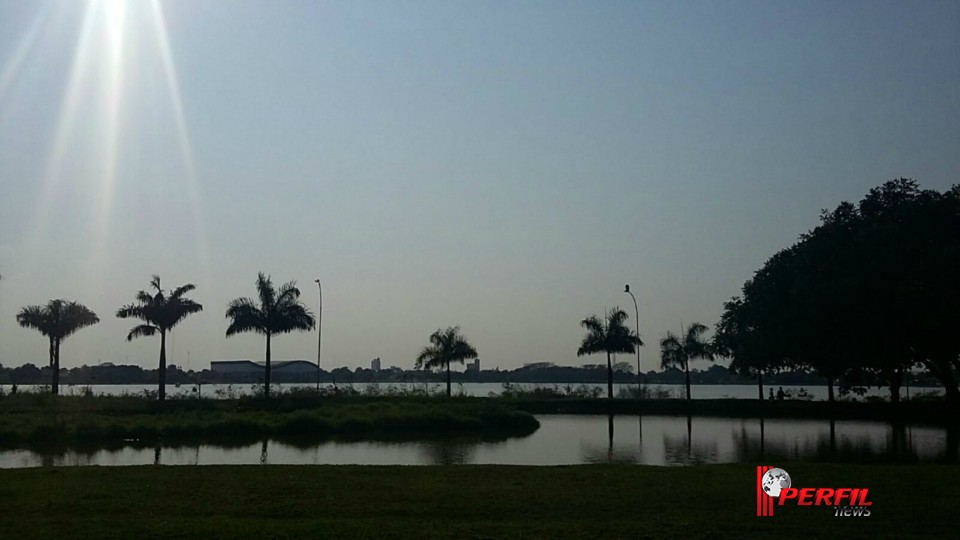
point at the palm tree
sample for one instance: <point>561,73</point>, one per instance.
<point>279,312</point>
<point>57,320</point>
<point>446,346</point>
<point>609,335</point>
<point>160,312</point>
<point>678,351</point>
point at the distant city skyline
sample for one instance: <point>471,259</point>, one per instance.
<point>504,167</point>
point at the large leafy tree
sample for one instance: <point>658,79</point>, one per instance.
<point>279,311</point>
<point>867,295</point>
<point>160,312</point>
<point>609,335</point>
<point>57,320</point>
<point>679,350</point>
<point>446,346</point>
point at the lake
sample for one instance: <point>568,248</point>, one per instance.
<point>570,440</point>
<point>703,391</point>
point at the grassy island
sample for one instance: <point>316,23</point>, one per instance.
<point>39,420</point>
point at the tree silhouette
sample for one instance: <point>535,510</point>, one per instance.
<point>609,335</point>
<point>57,320</point>
<point>160,312</point>
<point>279,312</point>
<point>868,294</point>
<point>446,346</point>
<point>678,351</point>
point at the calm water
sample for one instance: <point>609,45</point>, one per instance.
<point>567,440</point>
<point>706,391</point>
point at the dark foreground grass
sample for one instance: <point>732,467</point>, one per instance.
<point>714,501</point>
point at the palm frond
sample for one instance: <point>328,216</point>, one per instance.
<point>131,310</point>
<point>35,317</point>
<point>182,290</point>
<point>288,293</point>
<point>142,330</point>
<point>75,316</point>
<point>265,291</point>
<point>671,351</point>
<point>293,317</point>
<point>245,316</point>
<point>429,357</point>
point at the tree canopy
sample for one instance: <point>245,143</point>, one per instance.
<point>871,290</point>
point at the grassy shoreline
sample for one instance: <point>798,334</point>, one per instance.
<point>39,420</point>
<point>43,421</point>
<point>589,501</point>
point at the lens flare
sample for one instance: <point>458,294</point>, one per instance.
<point>88,137</point>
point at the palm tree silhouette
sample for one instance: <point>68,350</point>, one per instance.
<point>160,311</point>
<point>678,351</point>
<point>609,335</point>
<point>279,312</point>
<point>57,320</point>
<point>446,346</point>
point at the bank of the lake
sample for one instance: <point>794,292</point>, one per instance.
<point>463,502</point>
<point>935,412</point>
<point>37,420</point>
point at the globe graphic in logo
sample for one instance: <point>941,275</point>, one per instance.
<point>774,480</point>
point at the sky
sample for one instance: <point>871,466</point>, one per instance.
<point>502,166</point>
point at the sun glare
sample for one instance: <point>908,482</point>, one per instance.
<point>94,114</point>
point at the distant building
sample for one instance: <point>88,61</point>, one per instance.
<point>247,366</point>
<point>375,364</point>
<point>475,366</point>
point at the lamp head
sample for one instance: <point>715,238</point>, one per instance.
<point>626,288</point>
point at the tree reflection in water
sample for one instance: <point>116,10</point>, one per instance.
<point>449,451</point>
<point>610,453</point>
<point>683,450</point>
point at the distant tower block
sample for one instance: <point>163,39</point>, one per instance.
<point>375,364</point>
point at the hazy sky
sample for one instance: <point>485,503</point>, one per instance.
<point>502,166</point>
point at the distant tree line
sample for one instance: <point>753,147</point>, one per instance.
<point>870,294</point>
<point>540,373</point>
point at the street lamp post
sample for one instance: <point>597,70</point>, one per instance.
<point>319,332</point>
<point>626,289</point>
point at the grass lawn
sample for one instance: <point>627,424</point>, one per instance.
<point>590,501</point>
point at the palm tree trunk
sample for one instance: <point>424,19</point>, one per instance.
<point>609,377</point>
<point>266,377</point>
<point>760,383</point>
<point>448,379</point>
<point>686,369</point>
<point>56,368</point>
<point>830,389</point>
<point>896,381</point>
<point>53,376</point>
<point>162,389</point>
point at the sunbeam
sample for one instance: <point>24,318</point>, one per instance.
<point>183,135</point>
<point>90,132</point>
<point>13,65</point>
<point>53,165</point>
<point>113,11</point>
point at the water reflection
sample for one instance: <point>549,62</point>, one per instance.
<point>562,440</point>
